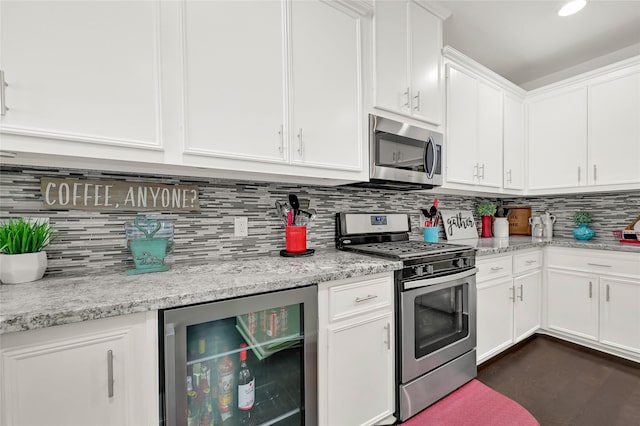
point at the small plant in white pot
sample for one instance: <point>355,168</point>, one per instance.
<point>21,242</point>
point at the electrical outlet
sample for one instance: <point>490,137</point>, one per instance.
<point>241,227</point>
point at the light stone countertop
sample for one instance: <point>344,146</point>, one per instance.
<point>64,300</point>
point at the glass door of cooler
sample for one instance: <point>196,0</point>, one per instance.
<point>245,361</point>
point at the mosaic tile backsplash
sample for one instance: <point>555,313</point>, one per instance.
<point>90,241</point>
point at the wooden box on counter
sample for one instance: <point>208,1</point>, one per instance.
<point>519,220</point>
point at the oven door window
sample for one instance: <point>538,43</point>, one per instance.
<point>441,318</point>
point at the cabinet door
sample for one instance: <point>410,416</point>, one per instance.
<point>60,375</point>
<point>426,45</point>
<point>233,79</point>
<point>360,371</point>
<point>558,140</point>
<point>495,317</point>
<point>462,127</point>
<point>85,74</point>
<point>489,135</point>
<point>326,104</point>
<point>513,143</point>
<point>614,131</point>
<point>527,306</point>
<point>620,313</point>
<point>572,303</point>
<point>391,78</point>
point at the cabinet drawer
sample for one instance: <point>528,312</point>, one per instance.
<point>363,296</point>
<point>527,261</point>
<point>493,268</point>
<point>595,261</point>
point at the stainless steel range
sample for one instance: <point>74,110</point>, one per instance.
<point>435,306</point>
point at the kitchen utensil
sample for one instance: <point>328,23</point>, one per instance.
<point>295,206</point>
<point>304,203</point>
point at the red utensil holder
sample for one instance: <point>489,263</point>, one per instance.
<point>296,239</point>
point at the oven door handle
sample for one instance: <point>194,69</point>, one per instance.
<point>439,280</point>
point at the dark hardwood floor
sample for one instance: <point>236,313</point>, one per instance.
<point>564,384</point>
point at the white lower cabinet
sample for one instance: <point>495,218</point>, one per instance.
<point>508,295</point>
<point>356,381</point>
<point>101,372</point>
<point>593,298</point>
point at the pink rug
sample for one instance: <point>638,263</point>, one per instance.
<point>474,404</point>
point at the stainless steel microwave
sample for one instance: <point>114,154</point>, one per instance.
<point>404,156</point>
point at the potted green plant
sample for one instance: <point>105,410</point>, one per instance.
<point>583,231</point>
<point>22,243</point>
<point>486,210</point>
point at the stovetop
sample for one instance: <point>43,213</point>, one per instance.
<point>405,249</point>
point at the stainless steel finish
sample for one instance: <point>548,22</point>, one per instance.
<point>476,171</point>
<point>177,320</point>
<point>411,367</point>
<point>440,280</point>
<point>396,177</point>
<point>522,292</point>
<point>595,172</point>
<point>3,99</point>
<point>281,133</point>
<point>367,297</point>
<point>110,373</point>
<point>512,294</point>
<point>417,99</point>
<point>408,98</point>
<point>425,390</point>
<point>579,173</point>
<point>434,163</point>
<point>599,264</point>
<point>590,290</point>
<point>608,292</point>
<point>388,341</point>
<point>482,167</point>
<point>300,140</point>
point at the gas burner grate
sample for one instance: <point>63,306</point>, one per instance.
<point>405,249</point>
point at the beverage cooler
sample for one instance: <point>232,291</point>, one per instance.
<point>244,361</point>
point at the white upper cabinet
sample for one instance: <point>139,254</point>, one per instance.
<point>557,140</point>
<point>83,78</point>
<point>408,60</point>
<point>614,130</point>
<point>234,72</point>
<point>274,87</point>
<point>326,108</point>
<point>513,140</point>
<point>474,131</point>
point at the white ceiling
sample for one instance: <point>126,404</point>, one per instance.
<point>529,44</point>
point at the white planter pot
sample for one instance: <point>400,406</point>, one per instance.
<point>22,268</point>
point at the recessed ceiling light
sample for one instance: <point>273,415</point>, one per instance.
<point>572,7</point>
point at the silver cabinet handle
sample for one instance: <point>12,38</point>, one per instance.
<point>482,167</point>
<point>509,176</point>
<point>599,264</point>
<point>367,297</point>
<point>497,268</point>
<point>417,99</point>
<point>595,172</point>
<point>590,290</point>
<point>280,132</point>
<point>522,292</point>
<point>395,157</point>
<point>530,262</point>
<point>512,294</point>
<point>110,373</point>
<point>3,99</point>
<point>408,98</point>
<point>476,170</point>
<point>388,341</point>
<point>300,139</point>
<point>579,174</point>
<point>608,292</point>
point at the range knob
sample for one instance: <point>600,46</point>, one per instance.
<point>418,270</point>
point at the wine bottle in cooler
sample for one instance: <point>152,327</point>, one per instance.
<point>225,385</point>
<point>246,390</point>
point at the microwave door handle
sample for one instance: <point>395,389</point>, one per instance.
<point>430,172</point>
